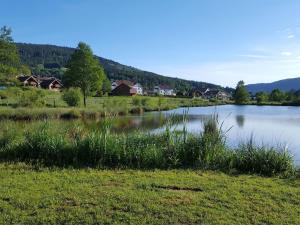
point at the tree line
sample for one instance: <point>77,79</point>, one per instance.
<point>242,96</point>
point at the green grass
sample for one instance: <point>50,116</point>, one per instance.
<point>90,196</point>
<point>56,108</point>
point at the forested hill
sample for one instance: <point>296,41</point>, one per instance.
<point>49,60</point>
<point>283,85</point>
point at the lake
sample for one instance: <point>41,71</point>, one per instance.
<point>268,125</point>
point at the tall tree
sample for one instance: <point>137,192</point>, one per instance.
<point>106,87</point>
<point>241,94</point>
<point>84,71</point>
<point>10,65</point>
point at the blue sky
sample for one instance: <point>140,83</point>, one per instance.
<point>218,41</point>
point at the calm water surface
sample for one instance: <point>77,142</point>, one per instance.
<point>269,125</point>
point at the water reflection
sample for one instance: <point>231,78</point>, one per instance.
<point>240,120</point>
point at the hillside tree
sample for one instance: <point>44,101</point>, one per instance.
<point>10,65</point>
<point>241,94</point>
<point>84,71</point>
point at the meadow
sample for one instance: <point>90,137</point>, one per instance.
<point>31,195</point>
<point>29,103</point>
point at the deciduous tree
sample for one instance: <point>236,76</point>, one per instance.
<point>84,71</point>
<point>241,94</point>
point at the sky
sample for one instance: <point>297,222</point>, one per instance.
<point>216,41</point>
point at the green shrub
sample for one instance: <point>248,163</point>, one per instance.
<point>72,96</point>
<point>31,97</point>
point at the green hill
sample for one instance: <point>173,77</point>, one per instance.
<point>46,60</point>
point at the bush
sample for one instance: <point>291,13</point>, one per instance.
<point>72,97</point>
<point>31,97</point>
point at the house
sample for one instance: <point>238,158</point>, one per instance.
<point>50,83</point>
<point>139,88</point>
<point>29,81</point>
<point>125,87</point>
<point>217,94</point>
<point>164,90</point>
<point>198,92</point>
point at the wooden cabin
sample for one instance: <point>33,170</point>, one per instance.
<point>29,81</point>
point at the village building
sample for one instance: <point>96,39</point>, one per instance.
<point>164,90</point>
<point>29,81</point>
<point>126,88</point>
<point>217,94</point>
<point>199,92</point>
<point>50,83</point>
<point>139,88</point>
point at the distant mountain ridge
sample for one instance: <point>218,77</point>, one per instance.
<point>284,85</point>
<point>49,60</point>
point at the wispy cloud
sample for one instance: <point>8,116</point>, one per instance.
<point>285,53</point>
<point>290,36</point>
<point>253,56</point>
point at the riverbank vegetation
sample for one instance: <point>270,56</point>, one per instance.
<point>74,146</point>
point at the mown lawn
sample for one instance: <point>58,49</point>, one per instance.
<point>90,196</point>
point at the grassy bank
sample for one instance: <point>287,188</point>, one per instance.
<point>49,145</point>
<point>89,196</point>
<point>97,107</point>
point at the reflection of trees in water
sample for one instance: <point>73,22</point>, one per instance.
<point>146,122</point>
<point>240,120</point>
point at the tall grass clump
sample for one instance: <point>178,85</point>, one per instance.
<point>263,160</point>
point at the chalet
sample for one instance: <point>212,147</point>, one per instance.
<point>124,89</point>
<point>50,83</point>
<point>29,81</point>
<point>199,92</point>
<point>217,94</point>
<point>127,88</point>
<point>163,90</point>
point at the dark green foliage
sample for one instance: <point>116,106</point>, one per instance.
<point>10,64</point>
<point>261,97</point>
<point>72,96</point>
<point>277,96</point>
<point>241,94</point>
